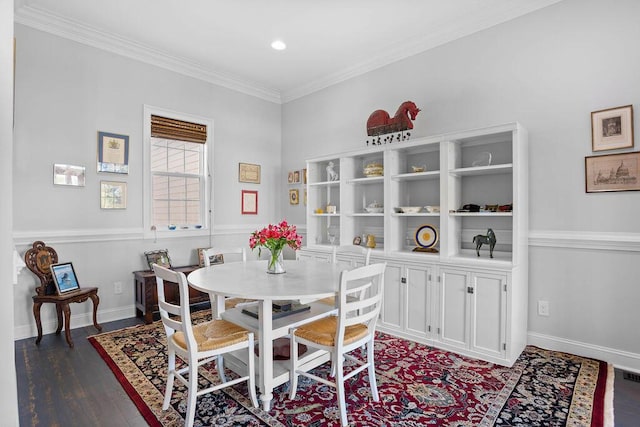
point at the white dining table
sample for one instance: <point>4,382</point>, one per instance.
<point>303,281</point>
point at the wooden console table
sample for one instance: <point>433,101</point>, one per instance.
<point>147,295</point>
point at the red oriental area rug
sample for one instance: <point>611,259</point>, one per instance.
<point>418,385</point>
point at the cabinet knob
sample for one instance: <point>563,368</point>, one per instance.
<point>469,289</point>
<point>403,280</point>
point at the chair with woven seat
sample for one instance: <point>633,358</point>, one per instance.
<point>363,257</point>
<point>218,303</point>
<point>39,259</point>
<point>339,335</point>
<point>198,345</point>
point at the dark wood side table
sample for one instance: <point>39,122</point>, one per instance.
<point>147,294</point>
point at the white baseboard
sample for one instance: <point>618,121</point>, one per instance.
<point>620,359</point>
<point>77,321</point>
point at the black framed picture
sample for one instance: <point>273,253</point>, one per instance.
<point>64,277</point>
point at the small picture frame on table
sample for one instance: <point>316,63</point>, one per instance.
<point>612,172</point>
<point>612,129</point>
<point>160,257</point>
<point>249,202</point>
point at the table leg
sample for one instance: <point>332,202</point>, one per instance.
<point>217,305</point>
<point>266,353</point>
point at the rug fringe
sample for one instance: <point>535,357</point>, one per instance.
<point>608,397</point>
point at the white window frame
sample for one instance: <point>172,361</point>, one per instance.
<point>206,188</point>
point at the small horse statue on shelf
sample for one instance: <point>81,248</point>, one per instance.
<point>489,239</point>
<point>380,123</point>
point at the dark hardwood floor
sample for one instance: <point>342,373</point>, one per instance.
<point>61,387</point>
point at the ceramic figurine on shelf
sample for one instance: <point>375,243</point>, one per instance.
<point>489,239</point>
<point>332,175</point>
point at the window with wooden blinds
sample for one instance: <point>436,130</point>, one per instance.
<point>163,127</point>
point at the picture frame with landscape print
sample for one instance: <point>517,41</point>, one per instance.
<point>612,129</point>
<point>612,172</point>
<point>64,277</point>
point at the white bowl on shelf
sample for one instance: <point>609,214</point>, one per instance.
<point>411,209</point>
<point>432,209</point>
<point>376,209</point>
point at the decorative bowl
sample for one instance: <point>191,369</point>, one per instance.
<point>411,209</point>
<point>417,169</point>
<point>432,209</point>
<point>373,169</point>
<point>171,227</point>
<point>377,209</point>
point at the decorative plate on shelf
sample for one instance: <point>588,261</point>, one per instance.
<point>426,236</point>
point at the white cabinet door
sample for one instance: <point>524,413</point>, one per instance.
<point>417,301</point>
<point>309,255</point>
<point>454,314</point>
<point>392,307</point>
<point>408,300</point>
<point>488,313</point>
<point>473,310</point>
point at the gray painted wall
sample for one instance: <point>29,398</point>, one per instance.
<point>65,93</point>
<point>547,70</point>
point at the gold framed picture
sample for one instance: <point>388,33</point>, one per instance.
<point>248,172</point>
<point>612,129</point>
<point>612,172</point>
<point>294,197</point>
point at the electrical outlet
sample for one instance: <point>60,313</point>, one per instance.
<point>543,308</point>
<point>117,287</point>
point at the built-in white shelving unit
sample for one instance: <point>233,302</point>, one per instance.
<point>436,297</point>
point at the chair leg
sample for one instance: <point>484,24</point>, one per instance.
<point>342,404</point>
<point>192,393</point>
<point>96,300</point>
<point>372,372</point>
<point>293,375</point>
<point>67,324</point>
<point>171,369</point>
<point>36,315</point>
<point>60,320</point>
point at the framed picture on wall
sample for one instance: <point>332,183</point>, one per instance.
<point>294,197</point>
<point>612,172</point>
<point>113,195</point>
<point>612,128</point>
<point>68,175</point>
<point>249,173</point>
<point>113,153</point>
<point>249,202</point>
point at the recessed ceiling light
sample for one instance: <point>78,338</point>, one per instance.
<point>278,45</point>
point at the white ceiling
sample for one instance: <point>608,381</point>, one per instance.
<point>228,42</point>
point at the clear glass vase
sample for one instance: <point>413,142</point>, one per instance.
<point>276,263</point>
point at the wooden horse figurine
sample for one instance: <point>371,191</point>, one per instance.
<point>380,123</point>
<point>489,239</point>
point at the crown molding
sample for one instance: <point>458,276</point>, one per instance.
<point>73,30</point>
<point>398,52</point>
<point>77,31</point>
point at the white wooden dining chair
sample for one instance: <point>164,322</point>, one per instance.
<point>221,303</point>
<point>363,257</point>
<point>339,335</point>
<point>198,344</point>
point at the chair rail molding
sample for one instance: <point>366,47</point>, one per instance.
<point>603,241</point>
